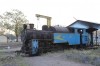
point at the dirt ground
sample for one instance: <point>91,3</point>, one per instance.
<point>51,59</point>
<point>54,59</point>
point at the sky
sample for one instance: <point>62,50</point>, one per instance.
<point>61,11</point>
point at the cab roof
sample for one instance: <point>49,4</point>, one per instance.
<point>84,25</point>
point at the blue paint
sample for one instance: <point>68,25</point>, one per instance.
<point>34,46</point>
<point>85,24</point>
<point>75,30</point>
<point>72,39</point>
<point>84,38</point>
<point>78,25</point>
<point>84,31</point>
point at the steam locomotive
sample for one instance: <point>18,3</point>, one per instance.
<point>49,38</point>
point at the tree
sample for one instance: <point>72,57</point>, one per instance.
<point>10,36</point>
<point>14,21</point>
<point>2,30</point>
<point>8,26</point>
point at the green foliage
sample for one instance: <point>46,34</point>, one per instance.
<point>8,26</point>
<point>2,32</point>
<point>13,20</point>
<point>1,25</point>
<point>10,36</point>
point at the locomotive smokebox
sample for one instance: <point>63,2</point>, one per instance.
<point>31,26</point>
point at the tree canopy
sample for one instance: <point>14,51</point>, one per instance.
<point>13,20</point>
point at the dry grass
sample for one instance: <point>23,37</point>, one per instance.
<point>91,56</point>
<point>90,52</point>
<point>10,59</point>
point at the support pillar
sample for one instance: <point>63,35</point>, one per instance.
<point>96,37</point>
<point>91,39</point>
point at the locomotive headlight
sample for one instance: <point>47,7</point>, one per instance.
<point>81,30</point>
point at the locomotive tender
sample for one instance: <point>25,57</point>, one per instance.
<point>37,41</point>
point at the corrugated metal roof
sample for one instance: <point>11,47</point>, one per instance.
<point>84,24</point>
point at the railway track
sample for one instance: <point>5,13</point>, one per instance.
<point>16,48</point>
<point>12,46</point>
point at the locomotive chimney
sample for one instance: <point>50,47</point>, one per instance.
<point>31,26</point>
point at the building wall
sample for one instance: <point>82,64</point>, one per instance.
<point>3,38</point>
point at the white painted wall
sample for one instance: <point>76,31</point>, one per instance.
<point>3,39</point>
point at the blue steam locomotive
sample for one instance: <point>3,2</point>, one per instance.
<point>53,37</point>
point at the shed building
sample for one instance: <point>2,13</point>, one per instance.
<point>3,38</point>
